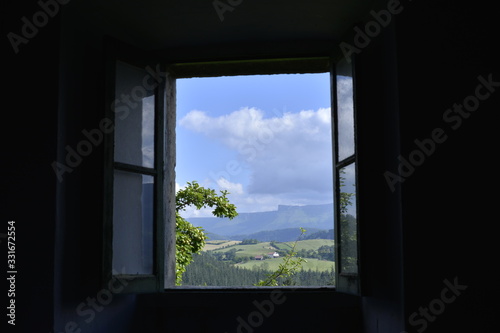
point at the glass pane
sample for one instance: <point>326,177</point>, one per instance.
<point>345,110</point>
<point>348,223</point>
<point>134,117</point>
<point>133,223</point>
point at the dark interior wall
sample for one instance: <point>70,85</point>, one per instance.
<point>448,214</point>
<point>264,310</point>
<point>53,88</point>
<point>377,119</point>
<point>81,148</point>
<point>78,245</point>
<point>29,142</point>
<point>441,49</point>
<point>83,300</point>
<point>406,80</point>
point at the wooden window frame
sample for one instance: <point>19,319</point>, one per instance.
<point>164,179</point>
<point>345,281</point>
<point>163,277</point>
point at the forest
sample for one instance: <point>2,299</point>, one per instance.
<point>245,263</point>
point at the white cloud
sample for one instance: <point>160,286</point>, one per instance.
<point>345,116</point>
<point>148,131</point>
<point>234,188</point>
<point>191,211</point>
<point>148,156</point>
<point>286,154</point>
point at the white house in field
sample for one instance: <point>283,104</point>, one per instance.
<point>273,255</point>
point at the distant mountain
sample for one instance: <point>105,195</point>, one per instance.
<point>309,217</point>
<point>212,236</point>
<point>321,234</point>
<point>279,235</point>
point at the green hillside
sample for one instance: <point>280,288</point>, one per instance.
<point>264,248</point>
<point>249,249</point>
<point>272,264</point>
<point>219,244</point>
<point>309,244</point>
<point>229,262</point>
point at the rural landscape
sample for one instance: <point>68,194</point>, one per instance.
<point>250,250</point>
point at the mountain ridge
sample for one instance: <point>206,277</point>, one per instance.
<point>285,217</point>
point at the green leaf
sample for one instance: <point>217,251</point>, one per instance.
<point>190,239</point>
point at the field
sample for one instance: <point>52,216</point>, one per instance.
<point>310,244</point>
<point>272,264</point>
<point>221,260</point>
<point>247,251</point>
<point>218,244</point>
<point>264,247</point>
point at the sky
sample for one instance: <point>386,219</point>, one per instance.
<point>264,138</point>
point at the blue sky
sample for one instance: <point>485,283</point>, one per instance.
<point>265,138</point>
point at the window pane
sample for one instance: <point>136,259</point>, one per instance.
<point>348,222</point>
<point>133,223</point>
<point>134,117</point>
<point>345,110</point>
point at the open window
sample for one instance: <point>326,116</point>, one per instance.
<point>346,227</point>
<point>266,139</point>
<point>139,233</point>
<point>136,173</point>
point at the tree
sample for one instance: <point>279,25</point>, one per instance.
<point>249,241</point>
<point>348,238</point>
<point>326,252</point>
<point>345,198</point>
<point>189,239</point>
<point>231,255</point>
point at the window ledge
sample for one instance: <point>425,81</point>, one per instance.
<point>233,289</point>
<point>208,296</point>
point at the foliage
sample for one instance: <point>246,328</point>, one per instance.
<point>345,198</point>
<point>348,237</point>
<point>314,264</point>
<point>249,241</point>
<point>195,195</point>
<point>324,252</point>
<point>322,234</point>
<point>190,239</point>
<point>207,270</point>
<point>287,268</point>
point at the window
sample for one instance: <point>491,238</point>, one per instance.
<point>139,239</point>
<point>345,175</point>
<point>267,140</point>
<point>135,207</point>
<point>134,176</point>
